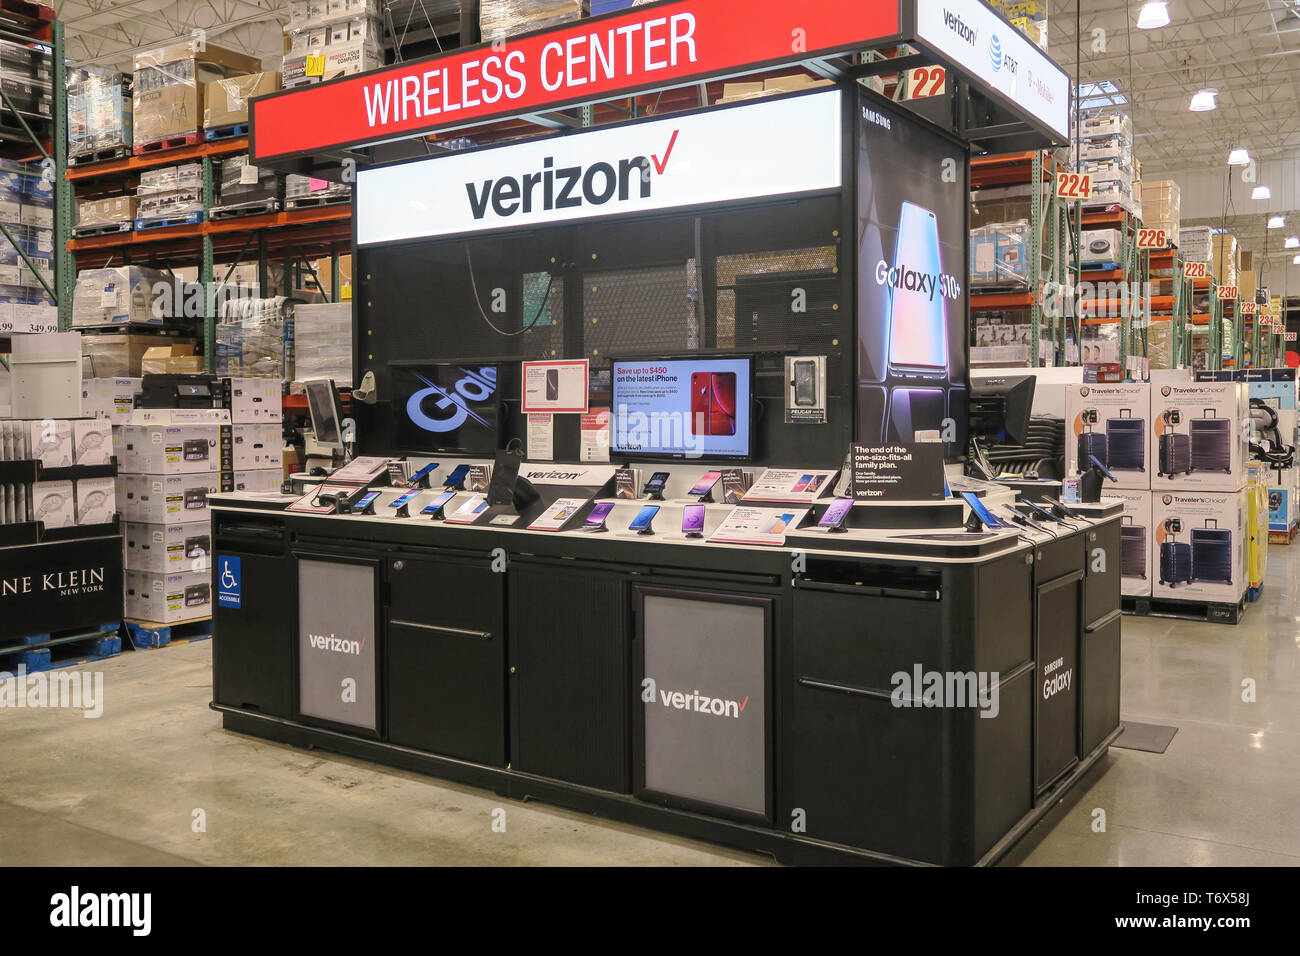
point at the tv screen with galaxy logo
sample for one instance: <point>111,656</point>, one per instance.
<point>447,407</point>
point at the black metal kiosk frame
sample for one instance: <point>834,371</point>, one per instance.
<point>551,666</point>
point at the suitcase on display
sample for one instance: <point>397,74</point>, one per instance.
<point>1211,440</point>
<point>1212,554</point>
<point>1175,454</point>
<point>1126,438</point>
<point>1132,550</point>
<point>1175,563</point>
<point>1092,443</point>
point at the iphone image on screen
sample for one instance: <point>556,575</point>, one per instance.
<point>713,403</point>
<point>693,521</point>
<point>918,318</point>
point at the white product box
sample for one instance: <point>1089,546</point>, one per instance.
<point>92,441</point>
<point>1099,245</point>
<point>1136,542</point>
<point>96,500</point>
<point>167,548</point>
<point>257,446</point>
<point>168,598</point>
<point>1109,422</point>
<point>171,449</point>
<point>1114,148</point>
<point>254,400</point>
<point>166,499</point>
<point>53,503</point>
<point>256,480</point>
<point>1199,436</point>
<point>180,416</point>
<point>1200,545</point>
<point>111,398</point>
<point>52,442</point>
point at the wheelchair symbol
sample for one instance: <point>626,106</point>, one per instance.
<point>228,577</point>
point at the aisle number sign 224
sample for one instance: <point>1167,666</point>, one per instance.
<point>1073,185</point>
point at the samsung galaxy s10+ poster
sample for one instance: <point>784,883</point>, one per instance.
<point>912,304</point>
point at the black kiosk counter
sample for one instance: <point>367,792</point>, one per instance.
<point>664,282</point>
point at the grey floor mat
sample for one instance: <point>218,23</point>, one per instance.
<point>1150,738</point>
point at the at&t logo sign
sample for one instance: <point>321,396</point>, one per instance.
<point>995,52</point>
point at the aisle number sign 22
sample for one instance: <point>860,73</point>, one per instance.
<point>1152,239</point>
<point>1196,270</point>
<point>1073,185</point>
<point>926,81</point>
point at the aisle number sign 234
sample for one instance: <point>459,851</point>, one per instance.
<point>1073,186</point>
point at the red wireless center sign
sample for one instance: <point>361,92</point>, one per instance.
<point>646,48</point>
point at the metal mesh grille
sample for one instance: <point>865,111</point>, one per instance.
<point>730,268</point>
<point>646,309</point>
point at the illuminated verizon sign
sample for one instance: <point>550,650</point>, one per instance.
<point>772,148</point>
<point>639,50</point>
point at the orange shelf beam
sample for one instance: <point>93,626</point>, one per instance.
<point>164,157</point>
<point>1002,300</point>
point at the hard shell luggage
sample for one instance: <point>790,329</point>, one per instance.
<point>1092,444</point>
<point>1132,550</point>
<point>1211,440</point>
<point>1212,554</point>
<point>1175,454</point>
<point>1126,437</point>
<point>1175,563</point>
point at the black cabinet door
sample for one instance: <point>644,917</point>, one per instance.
<point>1100,681</point>
<point>446,662</point>
<point>1102,566</point>
<point>1056,711</point>
<point>570,653</point>
<point>252,640</point>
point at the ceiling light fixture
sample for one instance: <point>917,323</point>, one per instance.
<point>1296,261</point>
<point>1275,222</point>
<point>1154,14</point>
<point>1292,242</point>
<point>1238,156</point>
<point>1203,101</point>
<point>1261,192</point>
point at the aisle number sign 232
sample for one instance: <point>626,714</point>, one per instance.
<point>1073,185</point>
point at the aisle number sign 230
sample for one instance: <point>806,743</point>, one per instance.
<point>1073,186</point>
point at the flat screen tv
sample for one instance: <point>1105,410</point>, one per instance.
<point>682,407</point>
<point>447,407</point>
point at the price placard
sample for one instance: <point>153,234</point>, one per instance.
<point>1073,186</point>
<point>1249,308</point>
<point>926,81</point>
<point>1290,336</point>
<point>315,65</point>
<point>1196,270</point>
<point>1227,292</point>
<point>1152,239</point>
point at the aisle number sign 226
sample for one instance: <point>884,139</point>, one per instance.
<point>1152,239</point>
<point>1196,270</point>
<point>1073,186</point>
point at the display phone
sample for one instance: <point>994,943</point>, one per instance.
<point>435,507</point>
<point>834,516</point>
<point>457,477</point>
<point>982,512</point>
<point>1042,512</point>
<point>501,486</point>
<point>641,524</point>
<point>596,518</point>
<point>404,499</point>
<point>416,479</point>
<point>654,488</point>
<point>713,403</point>
<point>693,521</point>
<point>1102,468</point>
<point>777,525</point>
<point>705,485</point>
<point>918,317</point>
<point>365,503</point>
<point>552,384</point>
<point>805,383</point>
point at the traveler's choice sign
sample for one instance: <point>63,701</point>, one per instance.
<point>641,50</point>
<point>704,702</point>
<point>336,642</point>
<point>64,585</point>
<point>908,471</point>
<point>743,152</point>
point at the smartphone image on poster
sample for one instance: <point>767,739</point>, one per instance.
<point>713,403</point>
<point>777,525</point>
<point>918,316</point>
<point>815,483</point>
<point>596,518</point>
<point>552,384</point>
<point>835,514</point>
<point>693,521</point>
<point>643,518</point>
<point>801,484</point>
<point>705,484</point>
<point>435,507</point>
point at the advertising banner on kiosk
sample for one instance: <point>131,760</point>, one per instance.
<point>336,642</point>
<point>912,297</point>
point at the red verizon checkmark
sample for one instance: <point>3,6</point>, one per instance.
<point>744,702</point>
<point>660,167</point>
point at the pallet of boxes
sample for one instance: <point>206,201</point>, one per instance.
<point>327,39</point>
<point>169,85</point>
<point>26,253</point>
<point>99,115</point>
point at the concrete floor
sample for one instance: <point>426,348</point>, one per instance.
<point>123,789</point>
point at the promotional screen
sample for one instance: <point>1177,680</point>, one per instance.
<point>446,407</point>
<point>912,205</point>
<point>686,408</point>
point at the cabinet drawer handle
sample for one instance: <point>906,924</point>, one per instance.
<point>454,631</point>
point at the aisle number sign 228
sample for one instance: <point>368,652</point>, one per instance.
<point>1152,239</point>
<point>1196,270</point>
<point>1073,185</point>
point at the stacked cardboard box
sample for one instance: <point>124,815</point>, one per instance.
<point>27,82</point>
<point>1162,207</point>
<point>504,18</point>
<point>241,182</point>
<point>57,443</point>
<point>999,254</point>
<point>255,338</point>
<point>331,38</point>
<point>1103,148</point>
<point>27,210</point>
<point>308,187</point>
<point>323,342</point>
<point>99,110</point>
<point>171,191</point>
<point>225,101</point>
<point>104,211</point>
<point>118,296</point>
<point>1224,260</point>
<point>167,100</point>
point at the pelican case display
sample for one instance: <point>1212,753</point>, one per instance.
<point>1126,438</point>
<point>1211,440</point>
<point>1132,549</point>
<point>1212,553</point>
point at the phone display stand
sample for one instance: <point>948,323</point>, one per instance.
<point>404,511</point>
<point>422,483</point>
<point>458,486</point>
<point>653,495</point>
<point>369,509</point>
<point>693,534</point>
<point>973,523</point>
<point>1090,486</point>
<point>647,530</point>
<point>838,529</point>
<point>707,498</point>
<point>440,514</point>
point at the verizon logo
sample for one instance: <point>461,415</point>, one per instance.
<point>338,645</point>
<point>958,26</point>
<point>703,704</point>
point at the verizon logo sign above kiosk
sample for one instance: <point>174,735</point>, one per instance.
<point>773,148</point>
<point>640,50</point>
<point>982,44</point>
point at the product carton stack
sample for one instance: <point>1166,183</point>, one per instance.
<point>170,195</point>
<point>999,255</point>
<point>1162,207</point>
<point>225,102</point>
<point>244,189</point>
<point>331,38</point>
<point>505,18</point>
<point>99,114</point>
<point>28,85</point>
<point>255,338</point>
<point>27,210</point>
<point>58,502</point>
<point>1178,454</point>
<point>323,342</point>
<point>303,191</point>
<point>1196,243</point>
<point>1103,148</point>
<point>167,101</point>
